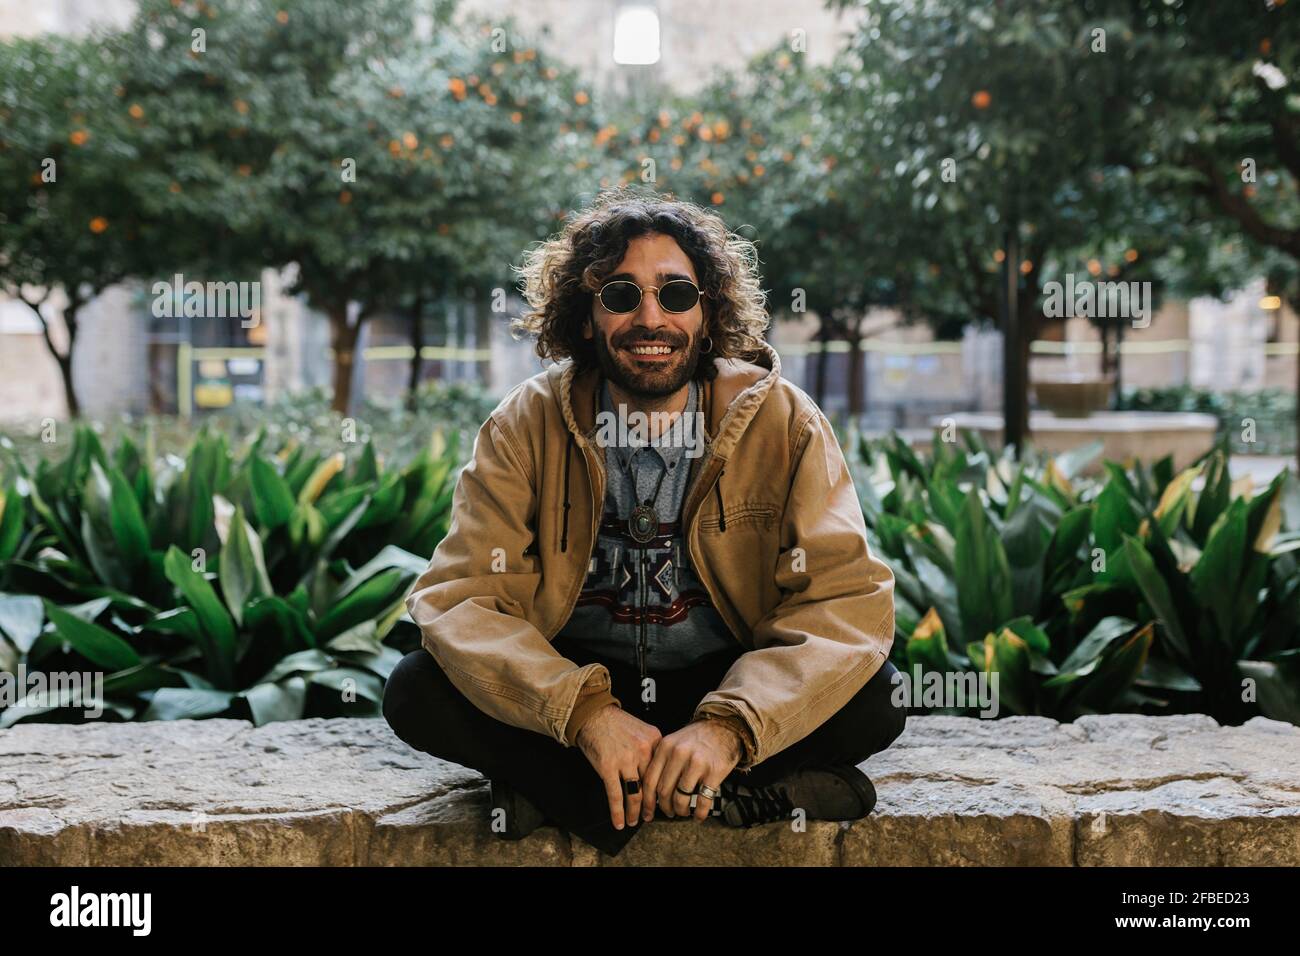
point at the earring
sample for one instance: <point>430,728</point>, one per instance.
<point>710,348</point>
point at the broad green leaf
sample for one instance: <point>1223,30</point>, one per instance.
<point>984,591</point>
<point>12,516</point>
<point>928,645</point>
<point>1085,654</point>
<point>180,620</point>
<point>1216,578</point>
<point>351,683</point>
<point>285,616</point>
<point>142,677</point>
<point>1009,659</point>
<point>271,702</point>
<point>382,663</point>
<point>102,554</point>
<point>390,557</point>
<point>129,529</point>
<point>359,637</point>
<point>1166,675</point>
<point>306,527</point>
<point>367,602</point>
<point>1029,632</point>
<point>1073,462</point>
<point>1277,683</point>
<point>1025,541</point>
<point>272,500</point>
<point>96,644</point>
<point>242,569</point>
<point>50,701</point>
<point>1120,665</point>
<point>1113,518</point>
<point>301,662</point>
<point>1156,593</point>
<point>21,619</point>
<point>186,703</point>
<point>1214,497</point>
<point>1169,510</point>
<point>219,648</point>
<point>321,477</point>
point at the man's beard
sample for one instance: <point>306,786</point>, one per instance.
<point>648,381</point>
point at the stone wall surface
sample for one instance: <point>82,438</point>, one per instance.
<point>1104,790</point>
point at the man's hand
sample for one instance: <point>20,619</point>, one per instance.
<point>704,751</point>
<point>619,747</point>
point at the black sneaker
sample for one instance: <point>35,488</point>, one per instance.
<point>829,793</point>
<point>521,816</point>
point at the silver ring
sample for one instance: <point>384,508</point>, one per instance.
<point>707,791</point>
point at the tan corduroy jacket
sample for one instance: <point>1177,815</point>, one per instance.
<point>775,532</point>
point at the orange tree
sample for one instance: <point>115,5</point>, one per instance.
<point>1000,123</point>
<point>757,145</point>
<point>69,225</point>
<point>1211,118</point>
<point>384,150</point>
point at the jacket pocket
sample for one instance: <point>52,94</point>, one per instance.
<point>531,559</point>
<point>749,514</point>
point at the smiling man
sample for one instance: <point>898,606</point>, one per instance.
<point>688,622</point>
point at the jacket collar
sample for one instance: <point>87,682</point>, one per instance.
<point>730,400</point>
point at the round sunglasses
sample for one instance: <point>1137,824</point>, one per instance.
<point>622,296</point>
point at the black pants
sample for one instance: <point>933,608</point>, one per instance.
<point>427,712</point>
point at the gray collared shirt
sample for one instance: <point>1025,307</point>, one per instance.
<point>627,583</point>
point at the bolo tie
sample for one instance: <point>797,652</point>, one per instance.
<point>643,527</point>
<point>643,522</point>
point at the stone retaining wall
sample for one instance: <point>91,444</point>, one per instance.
<point>1104,790</point>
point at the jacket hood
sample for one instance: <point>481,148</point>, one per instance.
<point>729,402</point>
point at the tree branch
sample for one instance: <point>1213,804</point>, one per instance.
<point>45,326</point>
<point>1216,189</point>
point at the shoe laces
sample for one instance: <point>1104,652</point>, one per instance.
<point>763,804</point>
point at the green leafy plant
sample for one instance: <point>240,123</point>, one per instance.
<point>263,584</point>
<point>1143,590</point>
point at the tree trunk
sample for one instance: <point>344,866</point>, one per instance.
<point>1015,349</point>
<point>483,342</point>
<point>1105,348</point>
<point>343,338</point>
<point>69,390</point>
<point>1119,359</point>
<point>1295,308</point>
<point>855,368</point>
<point>417,343</point>
<point>62,359</point>
<point>819,386</point>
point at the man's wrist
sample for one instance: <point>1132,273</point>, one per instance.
<point>737,734</point>
<point>585,710</point>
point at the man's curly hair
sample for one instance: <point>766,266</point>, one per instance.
<point>561,276</point>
